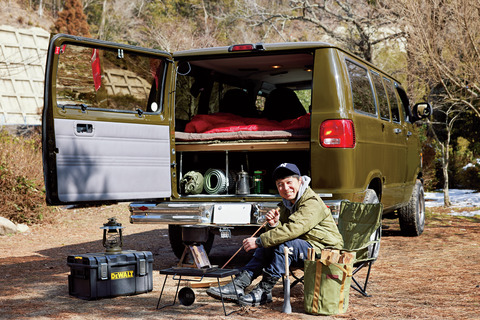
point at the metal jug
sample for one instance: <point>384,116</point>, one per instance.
<point>243,182</point>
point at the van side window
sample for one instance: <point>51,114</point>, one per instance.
<point>392,97</point>
<point>381,96</point>
<point>361,89</point>
<point>405,105</point>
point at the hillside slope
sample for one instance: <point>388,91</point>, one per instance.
<point>20,16</point>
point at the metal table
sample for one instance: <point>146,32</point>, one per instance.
<point>179,272</point>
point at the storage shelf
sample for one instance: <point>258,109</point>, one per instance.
<point>246,146</point>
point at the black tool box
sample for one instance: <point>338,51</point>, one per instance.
<point>101,275</point>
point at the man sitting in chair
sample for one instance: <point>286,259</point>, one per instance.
<point>302,221</point>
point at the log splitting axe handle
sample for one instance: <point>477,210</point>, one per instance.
<point>287,308</point>
<point>285,251</point>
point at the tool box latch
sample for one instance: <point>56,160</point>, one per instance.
<point>142,267</point>
<point>103,272</point>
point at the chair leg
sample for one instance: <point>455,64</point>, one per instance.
<point>296,281</point>
<point>356,285</point>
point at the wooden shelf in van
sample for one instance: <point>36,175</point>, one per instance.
<point>245,146</point>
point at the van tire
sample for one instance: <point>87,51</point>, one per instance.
<point>412,216</point>
<point>373,250</point>
<point>175,238</point>
<point>370,196</point>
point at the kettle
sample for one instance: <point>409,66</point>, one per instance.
<point>243,182</point>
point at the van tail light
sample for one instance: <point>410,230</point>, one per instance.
<point>339,133</point>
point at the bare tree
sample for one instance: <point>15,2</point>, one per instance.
<point>441,129</point>
<point>101,28</point>
<point>443,61</point>
<point>193,23</point>
<point>40,8</point>
<point>444,40</point>
<point>356,25</point>
<point>119,21</point>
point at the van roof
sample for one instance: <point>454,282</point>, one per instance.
<point>265,47</point>
<point>257,48</point>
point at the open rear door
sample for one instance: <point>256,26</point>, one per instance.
<point>106,122</point>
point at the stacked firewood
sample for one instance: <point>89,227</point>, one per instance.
<point>332,255</point>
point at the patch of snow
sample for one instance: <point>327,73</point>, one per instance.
<point>459,198</point>
<point>471,165</point>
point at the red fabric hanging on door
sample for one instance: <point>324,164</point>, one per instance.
<point>97,75</point>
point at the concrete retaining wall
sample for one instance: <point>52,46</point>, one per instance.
<point>22,70</point>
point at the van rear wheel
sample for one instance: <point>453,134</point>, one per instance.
<point>373,249</point>
<point>370,196</point>
<point>412,216</point>
<point>176,241</point>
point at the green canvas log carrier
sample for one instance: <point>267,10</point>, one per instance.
<point>327,287</point>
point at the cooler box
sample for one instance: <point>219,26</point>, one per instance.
<point>100,275</point>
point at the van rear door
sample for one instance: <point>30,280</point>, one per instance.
<point>106,129</point>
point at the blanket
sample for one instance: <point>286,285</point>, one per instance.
<point>297,134</point>
<point>227,122</point>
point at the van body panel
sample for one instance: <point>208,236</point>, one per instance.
<point>107,163</point>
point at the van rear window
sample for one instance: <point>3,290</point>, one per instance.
<point>109,80</point>
<point>363,98</point>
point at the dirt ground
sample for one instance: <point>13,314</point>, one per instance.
<point>434,276</point>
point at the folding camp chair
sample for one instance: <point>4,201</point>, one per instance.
<point>360,225</point>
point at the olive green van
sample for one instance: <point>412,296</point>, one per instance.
<point>191,138</point>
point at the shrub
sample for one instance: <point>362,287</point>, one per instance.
<point>469,177</point>
<point>22,192</point>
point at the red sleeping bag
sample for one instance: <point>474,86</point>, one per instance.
<point>227,122</point>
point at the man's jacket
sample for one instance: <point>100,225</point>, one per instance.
<point>309,220</point>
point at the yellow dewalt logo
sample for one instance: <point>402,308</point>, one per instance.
<point>121,275</point>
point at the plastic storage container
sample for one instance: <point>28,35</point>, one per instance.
<point>101,275</point>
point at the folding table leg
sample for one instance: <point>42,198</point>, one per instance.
<point>176,293</point>
<point>221,296</point>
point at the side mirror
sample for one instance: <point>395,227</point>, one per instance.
<point>422,110</point>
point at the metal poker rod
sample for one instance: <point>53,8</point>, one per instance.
<point>253,235</point>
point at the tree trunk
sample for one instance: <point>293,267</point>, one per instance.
<point>101,29</point>
<point>40,8</point>
<point>445,162</point>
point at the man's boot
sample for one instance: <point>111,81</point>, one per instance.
<point>242,281</point>
<point>261,294</point>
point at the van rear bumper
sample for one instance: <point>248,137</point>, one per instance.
<point>198,213</point>
<point>204,212</point>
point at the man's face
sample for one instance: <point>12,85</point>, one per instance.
<point>288,188</point>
